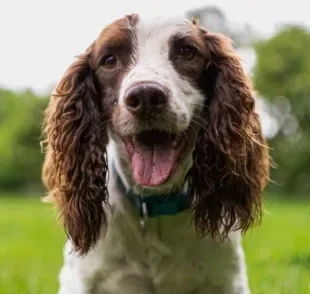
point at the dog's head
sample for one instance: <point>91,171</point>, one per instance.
<point>176,103</point>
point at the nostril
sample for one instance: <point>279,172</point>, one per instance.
<point>133,101</point>
<point>158,99</point>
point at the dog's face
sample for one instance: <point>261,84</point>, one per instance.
<point>150,71</point>
<point>176,103</point>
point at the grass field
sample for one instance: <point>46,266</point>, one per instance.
<point>278,253</point>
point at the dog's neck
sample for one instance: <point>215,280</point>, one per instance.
<point>155,205</point>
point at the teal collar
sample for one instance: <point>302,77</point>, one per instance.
<point>156,205</point>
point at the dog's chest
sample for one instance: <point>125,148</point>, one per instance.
<point>163,255</point>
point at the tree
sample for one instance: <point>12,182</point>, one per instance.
<point>282,75</point>
<point>20,130</point>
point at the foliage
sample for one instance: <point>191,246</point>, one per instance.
<point>282,75</point>
<point>31,248</point>
<point>20,130</point>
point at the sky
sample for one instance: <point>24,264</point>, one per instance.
<point>39,39</point>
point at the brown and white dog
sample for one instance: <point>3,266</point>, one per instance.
<point>155,121</point>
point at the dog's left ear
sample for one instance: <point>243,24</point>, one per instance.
<point>75,167</point>
<point>231,161</point>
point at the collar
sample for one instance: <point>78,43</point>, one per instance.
<point>155,205</point>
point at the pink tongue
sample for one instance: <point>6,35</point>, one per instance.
<point>152,166</point>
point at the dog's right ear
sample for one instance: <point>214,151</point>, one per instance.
<point>231,158</point>
<point>75,167</point>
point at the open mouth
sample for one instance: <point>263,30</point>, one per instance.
<point>154,155</point>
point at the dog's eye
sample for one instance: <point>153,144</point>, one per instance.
<point>109,61</point>
<point>186,52</point>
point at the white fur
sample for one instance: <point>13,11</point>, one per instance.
<point>166,256</point>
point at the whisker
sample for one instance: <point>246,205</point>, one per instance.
<point>203,126</point>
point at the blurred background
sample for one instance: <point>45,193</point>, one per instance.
<point>38,40</point>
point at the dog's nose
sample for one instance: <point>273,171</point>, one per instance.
<point>146,97</point>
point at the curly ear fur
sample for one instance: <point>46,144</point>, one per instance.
<point>231,161</point>
<point>75,167</point>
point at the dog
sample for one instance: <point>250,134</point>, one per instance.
<point>156,161</point>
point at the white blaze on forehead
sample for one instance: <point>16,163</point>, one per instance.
<point>160,27</point>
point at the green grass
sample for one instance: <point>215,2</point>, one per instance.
<point>278,253</point>
<point>30,247</point>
